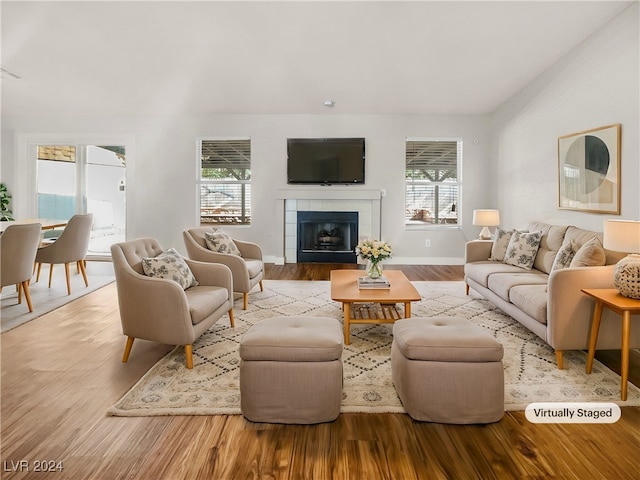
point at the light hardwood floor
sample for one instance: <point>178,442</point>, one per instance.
<point>62,371</point>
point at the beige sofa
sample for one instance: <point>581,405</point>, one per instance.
<point>549,302</point>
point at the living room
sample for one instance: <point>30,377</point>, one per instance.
<point>509,106</point>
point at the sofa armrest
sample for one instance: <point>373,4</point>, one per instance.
<point>212,274</point>
<point>569,311</point>
<point>477,251</point>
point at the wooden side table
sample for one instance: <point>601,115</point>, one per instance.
<point>611,298</point>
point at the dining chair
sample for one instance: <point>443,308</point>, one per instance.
<point>70,246</point>
<point>19,244</point>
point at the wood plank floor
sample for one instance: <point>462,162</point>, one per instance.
<point>62,371</point>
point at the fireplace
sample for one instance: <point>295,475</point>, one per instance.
<point>327,237</point>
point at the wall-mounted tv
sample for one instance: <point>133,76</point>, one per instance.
<point>325,161</point>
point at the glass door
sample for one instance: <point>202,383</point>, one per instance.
<point>84,179</point>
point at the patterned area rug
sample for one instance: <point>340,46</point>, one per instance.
<point>212,387</point>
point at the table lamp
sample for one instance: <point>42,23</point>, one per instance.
<point>624,236</point>
<point>486,218</point>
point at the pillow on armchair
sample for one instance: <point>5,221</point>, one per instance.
<point>170,265</point>
<point>221,242</point>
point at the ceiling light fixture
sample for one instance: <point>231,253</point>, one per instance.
<point>329,103</point>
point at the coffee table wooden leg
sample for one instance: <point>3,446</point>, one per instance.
<point>593,339</point>
<point>624,361</point>
<point>407,309</point>
<point>346,307</point>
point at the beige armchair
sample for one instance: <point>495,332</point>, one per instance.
<point>158,309</point>
<point>247,269</point>
<point>18,244</point>
<point>71,246</point>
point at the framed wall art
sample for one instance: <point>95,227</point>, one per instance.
<point>589,170</point>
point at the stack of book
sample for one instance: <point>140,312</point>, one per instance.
<point>367,282</point>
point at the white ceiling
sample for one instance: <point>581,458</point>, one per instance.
<point>120,58</point>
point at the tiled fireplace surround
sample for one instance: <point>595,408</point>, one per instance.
<point>328,199</point>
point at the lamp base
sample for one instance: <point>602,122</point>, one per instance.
<point>485,234</point>
<point>626,276</point>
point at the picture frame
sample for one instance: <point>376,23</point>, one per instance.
<point>589,170</point>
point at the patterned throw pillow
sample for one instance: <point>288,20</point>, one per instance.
<point>170,265</point>
<point>500,244</point>
<point>522,249</point>
<point>590,254</point>
<point>219,241</point>
<point>564,255</point>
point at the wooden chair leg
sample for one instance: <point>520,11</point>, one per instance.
<point>19,289</point>
<point>83,270</point>
<point>39,268</point>
<point>231,320</point>
<point>27,294</point>
<point>245,300</point>
<point>466,287</point>
<point>188,353</point>
<point>261,286</point>
<point>127,349</point>
<point>50,274</point>
<point>68,275</point>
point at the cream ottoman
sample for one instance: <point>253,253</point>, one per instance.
<point>291,370</point>
<point>447,370</point>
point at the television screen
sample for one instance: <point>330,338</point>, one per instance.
<point>325,160</point>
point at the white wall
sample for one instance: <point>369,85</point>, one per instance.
<point>596,85</point>
<point>161,188</point>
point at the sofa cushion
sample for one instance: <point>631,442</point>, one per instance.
<point>522,249</point>
<point>502,283</point>
<point>590,254</point>
<point>550,243</point>
<point>480,271</point>
<point>170,265</point>
<point>565,255</point>
<point>531,299</point>
<point>500,244</point>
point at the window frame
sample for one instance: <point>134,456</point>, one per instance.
<point>200,181</point>
<point>458,183</point>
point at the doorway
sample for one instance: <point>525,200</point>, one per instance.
<point>77,179</point>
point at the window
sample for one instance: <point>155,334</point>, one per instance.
<point>432,175</point>
<point>225,181</point>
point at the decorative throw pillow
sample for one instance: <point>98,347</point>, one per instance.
<point>170,265</point>
<point>522,249</point>
<point>590,254</point>
<point>500,244</point>
<point>219,241</point>
<point>564,255</point>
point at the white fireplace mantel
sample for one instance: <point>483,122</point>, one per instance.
<point>330,192</point>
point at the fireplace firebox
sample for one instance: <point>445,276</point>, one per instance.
<point>327,237</point>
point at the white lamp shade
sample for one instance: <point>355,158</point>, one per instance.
<point>486,218</point>
<point>622,236</point>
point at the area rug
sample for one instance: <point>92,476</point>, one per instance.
<point>212,387</point>
<point>45,299</point>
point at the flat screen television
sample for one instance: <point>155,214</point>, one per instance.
<point>325,161</point>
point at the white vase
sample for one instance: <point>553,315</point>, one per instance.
<point>374,269</point>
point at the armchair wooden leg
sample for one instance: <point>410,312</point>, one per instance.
<point>559,359</point>
<point>127,349</point>
<point>231,318</point>
<point>466,287</point>
<point>245,300</point>
<point>68,275</point>
<point>261,286</point>
<point>27,294</point>
<point>83,270</point>
<point>19,289</point>
<point>188,353</point>
<point>50,274</point>
<point>39,268</point>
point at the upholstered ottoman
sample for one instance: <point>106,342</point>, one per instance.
<point>447,370</point>
<point>291,370</point>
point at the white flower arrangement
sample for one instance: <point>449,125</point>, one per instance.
<point>373,250</point>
